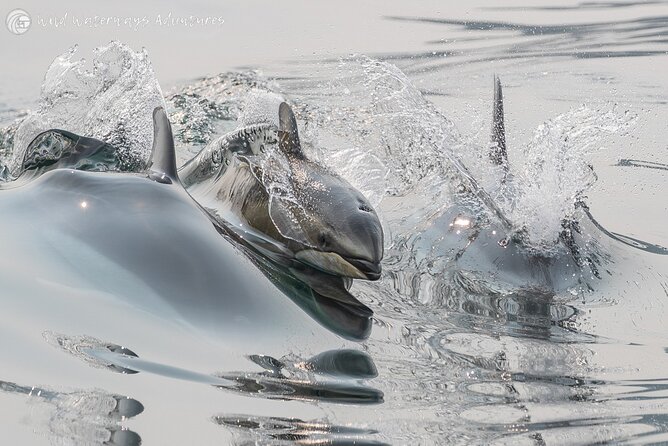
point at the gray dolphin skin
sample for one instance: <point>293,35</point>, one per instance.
<point>141,238</point>
<point>498,153</point>
<point>326,224</point>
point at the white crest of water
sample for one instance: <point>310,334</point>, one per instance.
<point>260,107</point>
<point>554,171</point>
<point>112,101</point>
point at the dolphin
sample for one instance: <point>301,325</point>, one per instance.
<point>74,221</point>
<point>499,156</point>
<point>490,256</point>
<point>321,226</point>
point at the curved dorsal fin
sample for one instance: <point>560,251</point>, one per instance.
<point>163,156</point>
<point>288,133</point>
<point>497,152</point>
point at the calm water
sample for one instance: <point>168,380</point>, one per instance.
<point>387,94</point>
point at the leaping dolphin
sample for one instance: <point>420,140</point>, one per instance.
<point>72,221</point>
<point>322,227</point>
<point>488,255</point>
<point>499,156</point>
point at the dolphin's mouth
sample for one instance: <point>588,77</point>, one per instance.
<point>369,269</point>
<point>333,263</point>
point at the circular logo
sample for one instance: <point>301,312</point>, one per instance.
<point>18,21</point>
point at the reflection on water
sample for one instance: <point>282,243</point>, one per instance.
<point>336,376</point>
<point>514,368</point>
<point>322,296</point>
<point>580,6</point>
<point>275,430</point>
<point>479,41</point>
<point>599,411</point>
<point>81,417</point>
<point>640,163</point>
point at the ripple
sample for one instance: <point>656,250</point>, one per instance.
<point>336,376</point>
<point>81,417</point>
<point>500,353</point>
<point>90,350</point>
<point>574,40</point>
<point>276,430</point>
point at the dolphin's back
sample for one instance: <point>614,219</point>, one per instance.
<point>149,245</point>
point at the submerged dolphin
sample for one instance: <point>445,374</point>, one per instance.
<point>489,255</point>
<point>141,238</point>
<point>322,226</point>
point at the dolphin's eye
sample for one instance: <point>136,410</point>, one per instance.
<point>323,241</point>
<point>365,208</point>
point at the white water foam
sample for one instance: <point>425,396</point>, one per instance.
<point>554,172</point>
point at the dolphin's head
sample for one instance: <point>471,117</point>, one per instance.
<point>340,228</point>
<point>331,225</point>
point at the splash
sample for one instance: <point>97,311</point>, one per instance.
<point>274,170</point>
<point>555,174</point>
<point>369,123</point>
<point>374,116</point>
<point>113,101</point>
<point>209,107</point>
<point>401,145</point>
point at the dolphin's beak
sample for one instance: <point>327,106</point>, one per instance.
<point>333,263</point>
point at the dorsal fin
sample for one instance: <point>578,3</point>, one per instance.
<point>288,132</point>
<point>163,155</point>
<point>498,153</point>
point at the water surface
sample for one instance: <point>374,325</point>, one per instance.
<point>443,364</point>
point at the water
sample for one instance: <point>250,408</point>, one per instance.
<point>460,350</point>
